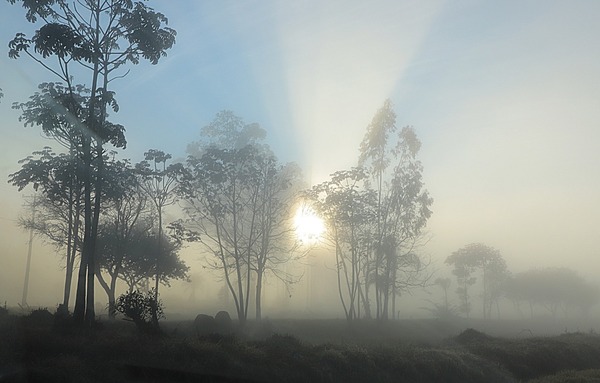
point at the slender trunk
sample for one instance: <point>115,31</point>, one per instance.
<point>237,256</point>
<point>103,284</point>
<point>259,276</point>
<point>221,256</point>
<point>240,290</point>
<point>70,238</point>
<point>386,291</point>
<point>339,278</point>
<point>365,302</point>
<point>394,302</point>
<point>248,275</point>
<point>73,254</point>
<point>379,252</point>
<point>68,281</point>
<point>366,298</point>
<point>485,294</point>
<point>28,265</point>
<point>157,265</point>
<point>79,311</point>
<point>90,309</point>
<point>446,299</point>
<point>466,300</point>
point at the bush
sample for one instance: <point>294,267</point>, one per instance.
<point>3,311</point>
<point>40,317</point>
<point>139,307</point>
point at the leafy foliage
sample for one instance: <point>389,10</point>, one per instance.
<point>140,307</point>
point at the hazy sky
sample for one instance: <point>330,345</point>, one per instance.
<point>504,96</point>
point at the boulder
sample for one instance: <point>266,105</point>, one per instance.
<point>205,325</point>
<point>223,323</point>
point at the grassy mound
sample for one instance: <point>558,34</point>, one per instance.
<point>571,376</point>
<point>535,357</point>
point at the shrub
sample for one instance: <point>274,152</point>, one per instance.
<point>40,317</point>
<point>139,307</point>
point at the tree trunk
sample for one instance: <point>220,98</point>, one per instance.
<point>259,277</point>
<point>158,255</point>
<point>90,314</point>
<point>80,297</point>
<point>366,298</point>
<point>72,255</point>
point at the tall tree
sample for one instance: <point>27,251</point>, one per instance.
<point>348,210</point>
<point>237,200</point>
<point>159,184</point>
<point>100,37</point>
<point>402,204</point>
<point>489,262</point>
<point>277,244</point>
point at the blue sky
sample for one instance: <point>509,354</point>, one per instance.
<point>503,95</point>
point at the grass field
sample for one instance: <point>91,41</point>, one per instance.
<point>296,351</point>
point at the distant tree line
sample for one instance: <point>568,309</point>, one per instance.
<point>555,290</point>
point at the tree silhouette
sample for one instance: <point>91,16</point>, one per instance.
<point>402,205</point>
<point>348,210</point>
<point>489,262</point>
<point>159,184</point>
<point>100,37</point>
<point>59,207</point>
<point>554,289</point>
<point>238,200</point>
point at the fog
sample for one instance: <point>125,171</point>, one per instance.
<point>503,97</point>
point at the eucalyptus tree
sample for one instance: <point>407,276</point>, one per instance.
<point>401,209</point>
<point>159,185</point>
<point>238,200</point>
<point>489,262</point>
<point>92,41</point>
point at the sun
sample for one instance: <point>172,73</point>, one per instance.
<point>308,225</point>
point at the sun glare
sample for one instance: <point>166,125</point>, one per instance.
<point>309,226</point>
